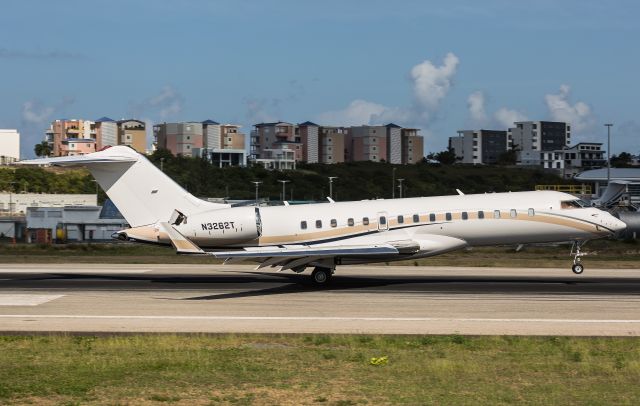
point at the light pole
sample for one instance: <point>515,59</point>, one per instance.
<point>161,164</point>
<point>331,178</point>
<point>400,186</point>
<point>284,182</point>
<point>11,197</point>
<point>393,183</point>
<point>608,152</point>
<point>257,183</point>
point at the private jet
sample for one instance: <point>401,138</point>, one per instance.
<point>322,236</point>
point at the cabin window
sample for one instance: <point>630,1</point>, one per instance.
<point>465,216</point>
<point>513,213</point>
<point>365,221</point>
<point>416,218</point>
<point>400,219</point>
<point>350,222</point>
<point>496,214</point>
<point>382,220</point>
<point>448,216</point>
<point>531,212</point>
<point>303,225</point>
<point>432,217</point>
<point>318,223</point>
<point>334,223</point>
<point>480,214</point>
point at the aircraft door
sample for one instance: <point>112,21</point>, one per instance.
<point>383,221</point>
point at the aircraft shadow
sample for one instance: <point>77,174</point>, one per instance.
<point>255,284</point>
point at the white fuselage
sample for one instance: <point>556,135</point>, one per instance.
<point>438,224</point>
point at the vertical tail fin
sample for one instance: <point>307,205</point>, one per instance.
<point>143,194</point>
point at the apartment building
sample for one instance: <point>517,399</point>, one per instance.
<point>133,133</point>
<point>71,137</point>
<point>529,138</point>
<point>9,146</point>
<point>179,138</point>
<point>309,135</point>
<point>332,144</point>
<point>276,145</point>
<point>106,132</point>
<point>479,146</point>
<point>412,146</point>
<point>223,144</point>
<point>367,143</point>
<point>572,160</point>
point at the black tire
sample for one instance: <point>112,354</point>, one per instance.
<point>577,269</point>
<point>321,276</point>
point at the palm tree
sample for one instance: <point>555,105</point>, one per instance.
<point>42,149</point>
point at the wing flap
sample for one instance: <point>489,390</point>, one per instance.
<point>306,251</point>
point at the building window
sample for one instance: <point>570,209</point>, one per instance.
<point>350,222</point>
<point>303,225</point>
<point>513,213</point>
<point>531,212</point>
<point>448,216</point>
<point>432,217</point>
<point>465,216</point>
<point>496,214</point>
<point>365,221</point>
<point>400,219</point>
<point>334,223</point>
<point>318,223</point>
<point>416,218</point>
<point>480,214</point>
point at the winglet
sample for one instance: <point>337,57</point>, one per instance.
<point>181,243</point>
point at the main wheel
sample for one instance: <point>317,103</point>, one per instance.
<point>321,276</point>
<point>577,268</point>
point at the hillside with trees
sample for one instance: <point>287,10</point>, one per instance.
<point>357,180</point>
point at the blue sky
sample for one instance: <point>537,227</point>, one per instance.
<point>436,65</point>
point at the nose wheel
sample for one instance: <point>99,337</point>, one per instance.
<point>577,267</point>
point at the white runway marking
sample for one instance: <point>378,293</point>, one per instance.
<point>26,300</point>
<point>74,271</point>
<point>311,318</point>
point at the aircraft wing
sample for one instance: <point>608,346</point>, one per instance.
<point>292,256</point>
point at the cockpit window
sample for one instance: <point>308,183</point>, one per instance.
<point>573,204</point>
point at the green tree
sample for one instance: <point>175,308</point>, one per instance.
<point>622,160</point>
<point>42,149</point>
<point>447,157</point>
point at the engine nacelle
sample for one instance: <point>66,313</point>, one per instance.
<point>222,227</point>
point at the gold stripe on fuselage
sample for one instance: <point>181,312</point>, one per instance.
<point>346,231</point>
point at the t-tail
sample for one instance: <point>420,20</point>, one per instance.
<point>142,193</point>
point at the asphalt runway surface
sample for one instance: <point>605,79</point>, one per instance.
<point>367,299</point>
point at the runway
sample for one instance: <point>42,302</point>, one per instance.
<point>369,299</point>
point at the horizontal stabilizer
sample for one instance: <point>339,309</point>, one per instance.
<point>105,156</point>
<point>181,243</point>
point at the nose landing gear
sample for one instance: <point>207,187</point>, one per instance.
<point>577,267</point>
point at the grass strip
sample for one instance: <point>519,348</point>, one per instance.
<point>318,369</point>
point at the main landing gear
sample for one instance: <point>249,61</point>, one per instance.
<point>577,267</point>
<point>321,275</point>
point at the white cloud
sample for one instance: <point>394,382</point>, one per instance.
<point>506,117</point>
<point>430,85</point>
<point>475,103</point>
<point>259,110</point>
<point>579,115</point>
<point>33,112</point>
<point>168,103</point>
<point>360,112</point>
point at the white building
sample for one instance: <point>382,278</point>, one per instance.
<point>17,203</point>
<point>9,146</point>
<point>479,146</point>
<point>529,138</point>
